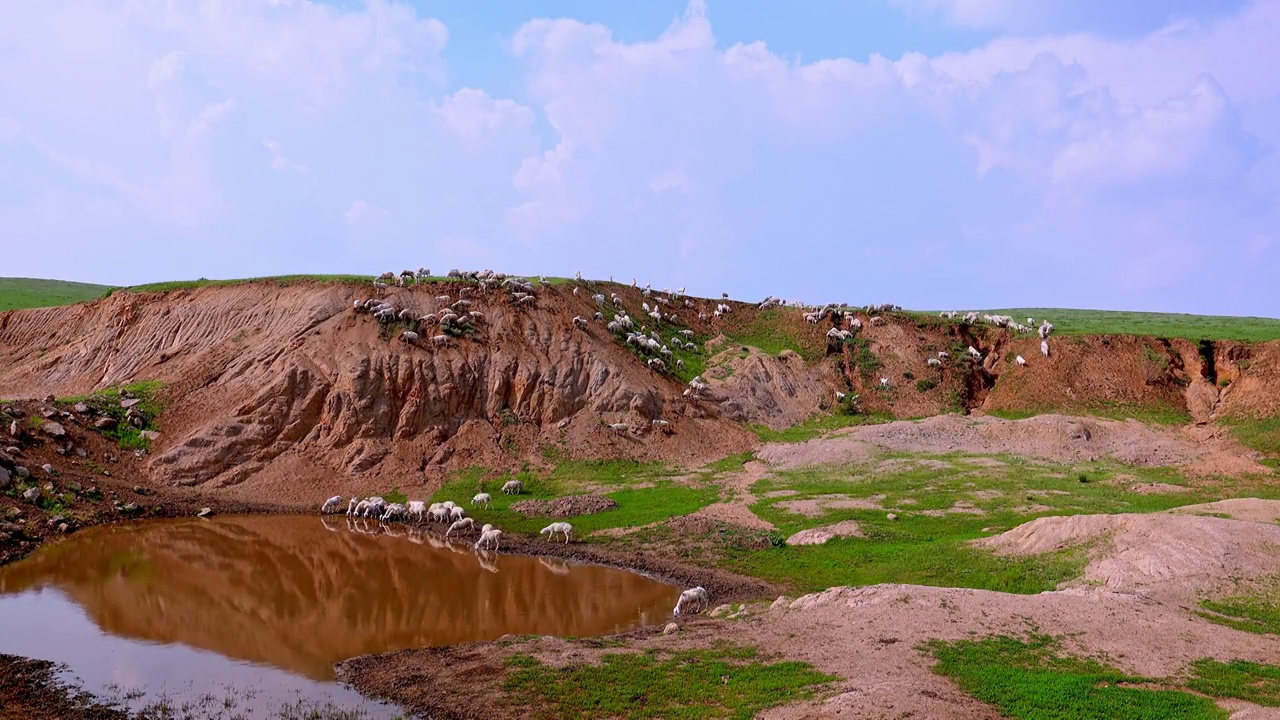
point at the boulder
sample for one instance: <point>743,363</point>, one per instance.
<point>126,404</point>
<point>53,429</point>
<point>815,536</point>
<point>670,629</point>
<point>81,408</point>
<point>105,423</point>
<point>6,460</point>
<point>5,478</point>
<point>74,486</point>
<point>31,495</point>
<point>15,430</point>
<point>204,512</point>
<point>12,411</point>
<point>64,528</point>
<point>22,472</point>
<point>48,413</point>
<point>721,611</point>
<point>129,507</point>
<point>149,435</point>
<point>47,468</point>
<point>11,528</point>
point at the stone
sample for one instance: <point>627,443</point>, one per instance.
<point>82,453</point>
<point>721,611</point>
<point>5,478</point>
<point>204,512</point>
<point>10,528</point>
<point>64,528</point>
<point>781,602</point>
<point>81,408</point>
<point>149,435</point>
<point>130,507</point>
<point>53,429</point>
<point>31,495</point>
<point>6,460</point>
<point>50,398</point>
<point>816,536</point>
<point>12,411</point>
<point>892,516</point>
<point>15,430</point>
<point>74,486</point>
<point>105,423</point>
<point>670,629</point>
<point>22,472</point>
<point>47,468</point>
<point>48,413</point>
<point>1079,431</point>
<point>138,489</point>
<point>48,487</point>
<point>126,404</point>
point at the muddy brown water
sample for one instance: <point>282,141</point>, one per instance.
<point>189,607</point>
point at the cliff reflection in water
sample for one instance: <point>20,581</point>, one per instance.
<point>301,592</point>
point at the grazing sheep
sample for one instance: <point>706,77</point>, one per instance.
<point>697,597</point>
<point>332,504</point>
<point>481,499</point>
<point>943,354</point>
<point>489,539</point>
<point>975,353</point>
<point>393,511</point>
<point>1020,360</point>
<point>580,321</point>
<point>460,525</point>
<point>1044,348</point>
<point>556,528</point>
<point>934,362</point>
<point>439,514</point>
<point>971,318</point>
<point>620,428</point>
<point>418,509</point>
<point>513,487</point>
<point>656,364</point>
<point>410,336</point>
<point>877,320</point>
<point>440,340</point>
<point>884,382</point>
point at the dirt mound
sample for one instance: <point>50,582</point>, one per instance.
<point>763,389</point>
<point>568,506</point>
<point>1249,509</point>
<point>1176,556</point>
<point>826,533</point>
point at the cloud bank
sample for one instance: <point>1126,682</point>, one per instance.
<point>1056,164</point>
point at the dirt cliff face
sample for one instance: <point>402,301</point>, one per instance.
<point>288,382</point>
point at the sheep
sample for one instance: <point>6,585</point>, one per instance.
<point>933,363</point>
<point>1044,348</point>
<point>489,538</point>
<point>943,354</point>
<point>679,364</point>
<point>620,428</point>
<point>410,336</point>
<point>877,320</point>
<point>481,499</point>
<point>418,509</point>
<point>884,382</point>
<point>526,300</point>
<point>460,525</point>
<point>598,316</point>
<point>971,318</point>
<point>393,511</point>
<point>351,506</point>
<point>439,340</point>
<point>387,276</point>
<point>438,514</point>
<point>513,487</point>
<point>456,513</point>
<point>599,298</point>
<point>663,425</point>
<point>556,528</point>
<point>1046,328</point>
<point>332,504</point>
<point>694,596</point>
<point>973,351</point>
<point>580,321</point>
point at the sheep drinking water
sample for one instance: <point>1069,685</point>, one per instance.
<point>556,528</point>
<point>332,504</point>
<point>697,597</point>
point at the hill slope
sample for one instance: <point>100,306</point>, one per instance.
<point>282,385</point>
<point>18,293</point>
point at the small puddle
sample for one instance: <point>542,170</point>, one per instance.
<point>261,607</point>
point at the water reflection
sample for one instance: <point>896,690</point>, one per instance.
<point>300,593</point>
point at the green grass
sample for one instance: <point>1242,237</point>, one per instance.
<point>1029,679</point>
<point>1162,325</point>
<point>20,293</point>
<point>942,502</point>
<point>773,331</point>
<point>1150,414</point>
<point>1254,608</point>
<point>1261,434</point>
<point>695,361</point>
<point>281,280</point>
<point>394,495</point>
<point>107,402</point>
<point>817,425</point>
<point>645,494</point>
<point>723,682</point>
<point>1252,682</point>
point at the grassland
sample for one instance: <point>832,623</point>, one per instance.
<point>773,331</point>
<point>107,403</point>
<point>1030,679</point>
<point>941,502</point>
<point>281,280</point>
<point>1151,414</point>
<point>722,682</point>
<point>819,424</point>
<point>645,493</point>
<point>22,293</point>
<point>1253,607</point>
<point>1161,325</point>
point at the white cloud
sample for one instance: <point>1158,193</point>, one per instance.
<point>279,162</point>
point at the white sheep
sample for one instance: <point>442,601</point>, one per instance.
<point>513,487</point>
<point>975,353</point>
<point>439,514</point>
<point>884,382</point>
<point>934,362</point>
<point>697,597</point>
<point>943,354</point>
<point>332,504</point>
<point>410,336</point>
<point>481,499</point>
<point>392,512</point>
<point>556,528</point>
<point>460,525</point>
<point>1020,360</point>
<point>620,428</point>
<point>456,513</point>
<point>439,340</point>
<point>580,321</point>
<point>489,538</point>
<point>418,509</point>
<point>1044,348</point>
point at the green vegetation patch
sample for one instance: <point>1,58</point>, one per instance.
<point>645,492</point>
<point>773,331</point>
<point>281,280</point>
<point>1161,325</point>
<point>1150,414</point>
<point>942,502</point>
<point>1249,681</point>
<point>1254,609</point>
<point>722,682</point>
<point>107,402</point>
<point>1029,679</point>
<point>22,293</point>
<point>819,424</point>
<point>1261,434</point>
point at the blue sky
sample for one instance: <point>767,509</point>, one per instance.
<point>931,153</point>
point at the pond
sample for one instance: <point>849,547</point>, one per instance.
<point>263,606</point>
